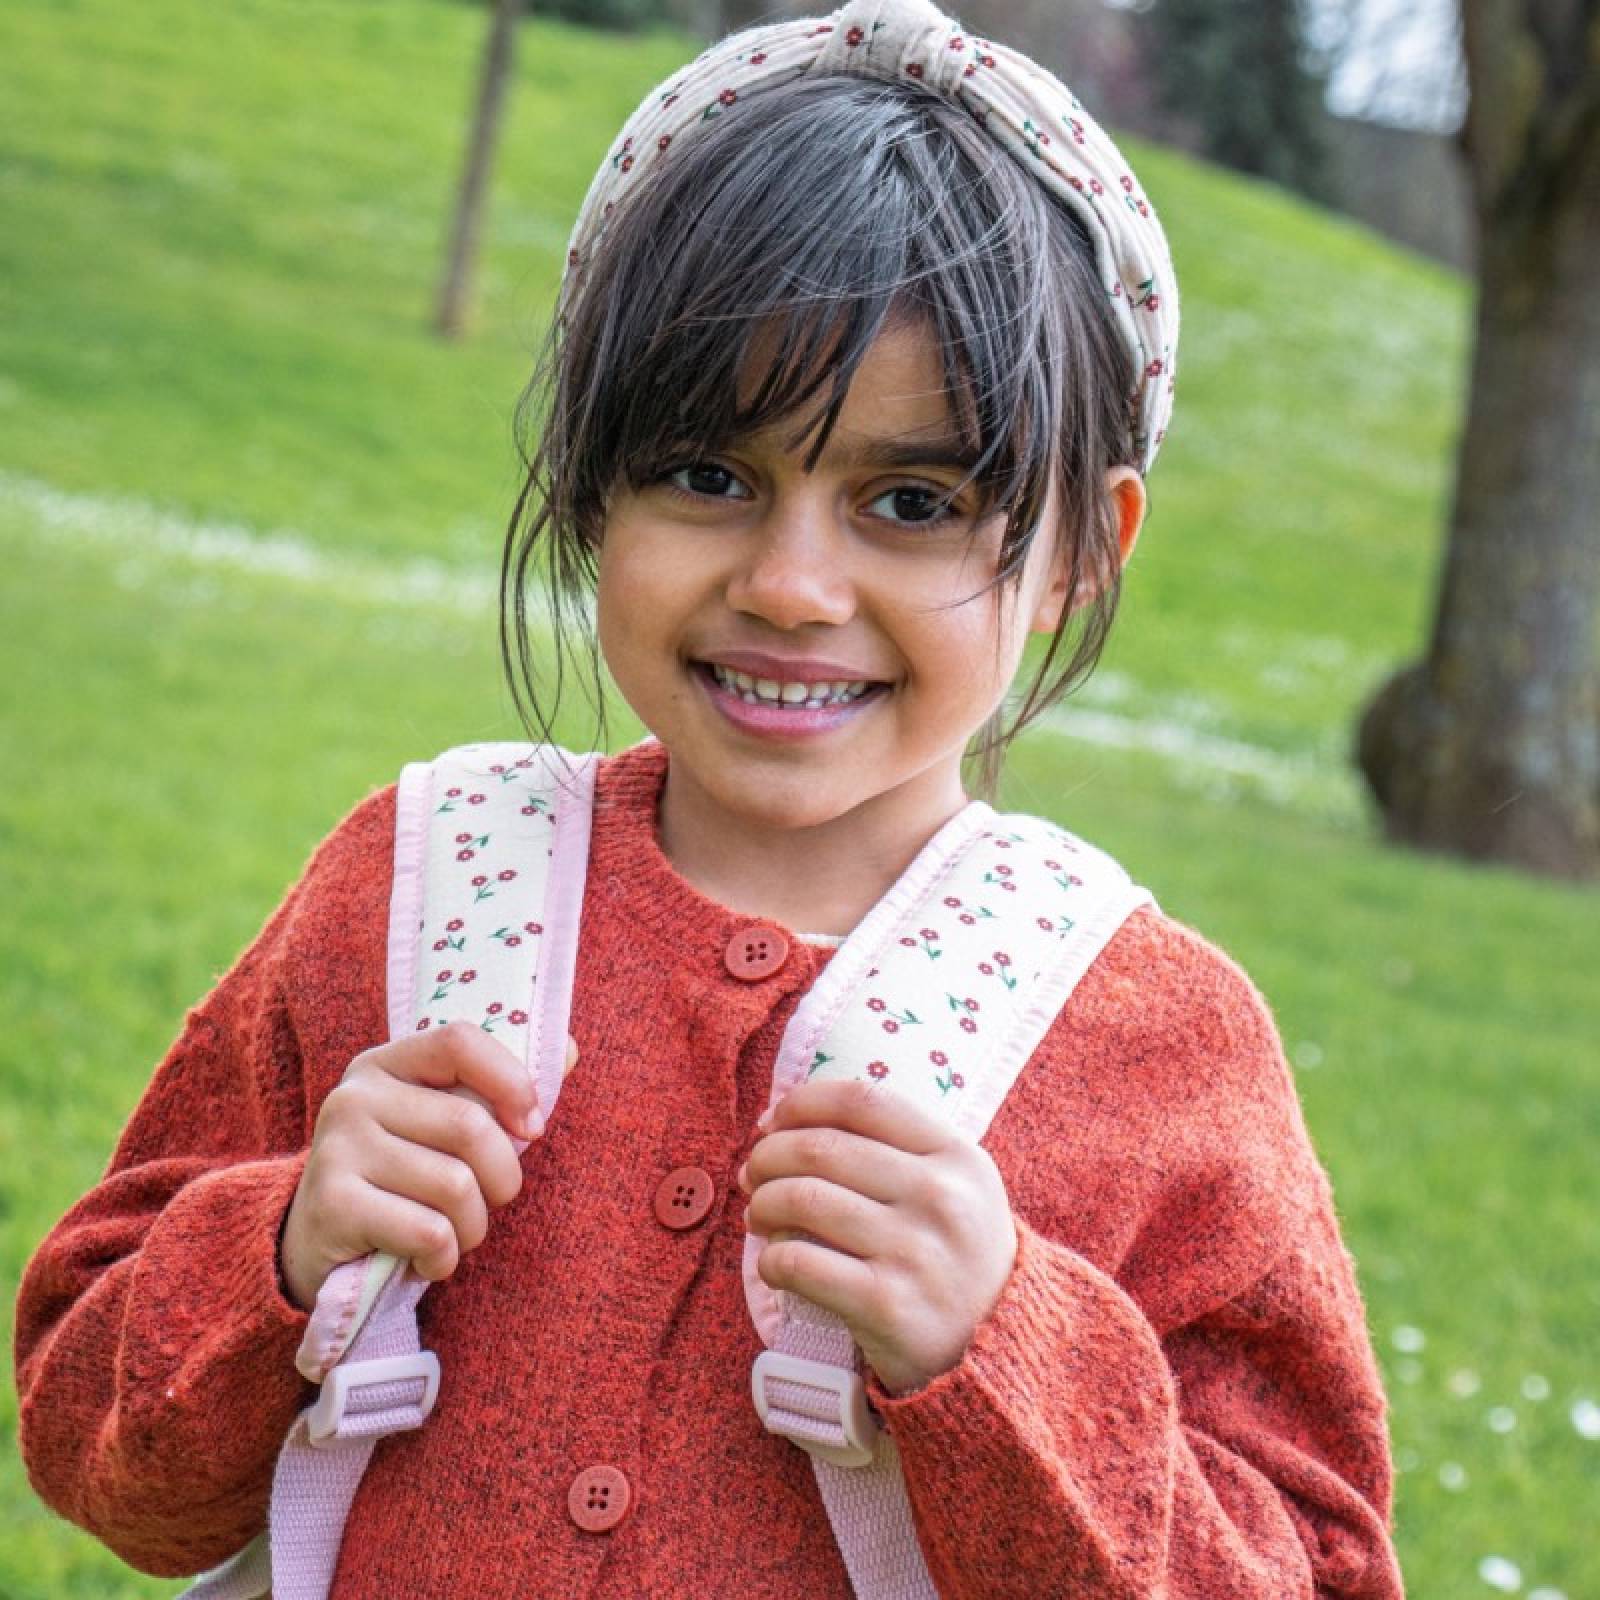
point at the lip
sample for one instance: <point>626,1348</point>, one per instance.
<point>782,723</point>
<point>787,669</point>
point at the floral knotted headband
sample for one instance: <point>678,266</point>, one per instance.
<point>1031,112</point>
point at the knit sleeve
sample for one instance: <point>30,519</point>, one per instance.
<point>154,1340</point>
<point>1127,1433</point>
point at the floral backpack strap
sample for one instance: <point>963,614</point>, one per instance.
<point>491,851</point>
<point>942,993</point>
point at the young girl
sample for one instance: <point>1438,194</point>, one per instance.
<point>865,347</point>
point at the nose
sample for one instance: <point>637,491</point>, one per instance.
<point>794,570</point>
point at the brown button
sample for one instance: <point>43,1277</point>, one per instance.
<point>756,952</point>
<point>684,1196</point>
<point>599,1499</point>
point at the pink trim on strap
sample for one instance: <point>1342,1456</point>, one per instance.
<point>413,803</point>
<point>563,906</point>
<point>1048,993</point>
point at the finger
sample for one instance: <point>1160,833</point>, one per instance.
<point>868,1166</point>
<point>416,1233</point>
<point>572,1056</point>
<point>843,1284</point>
<point>437,1182</point>
<point>455,1126</point>
<point>860,1106</point>
<point>462,1054</point>
<point>822,1211</point>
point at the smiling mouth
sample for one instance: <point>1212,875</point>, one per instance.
<point>788,696</point>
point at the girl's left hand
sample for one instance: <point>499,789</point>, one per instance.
<point>904,1227</point>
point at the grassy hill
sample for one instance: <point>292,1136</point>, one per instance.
<point>250,512</point>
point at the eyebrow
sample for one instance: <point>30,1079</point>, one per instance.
<point>901,452</point>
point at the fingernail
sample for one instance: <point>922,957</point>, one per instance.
<point>742,1178</point>
<point>764,1121</point>
<point>532,1125</point>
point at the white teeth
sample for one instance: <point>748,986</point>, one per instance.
<point>768,691</point>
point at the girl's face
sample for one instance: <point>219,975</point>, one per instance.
<point>812,645</point>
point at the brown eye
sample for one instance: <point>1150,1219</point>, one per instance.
<point>916,505</point>
<point>700,479</point>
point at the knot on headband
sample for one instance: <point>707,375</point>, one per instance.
<point>1021,105</point>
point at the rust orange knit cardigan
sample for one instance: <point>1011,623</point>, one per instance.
<point>1175,1395</point>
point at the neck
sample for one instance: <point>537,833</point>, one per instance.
<point>821,878</point>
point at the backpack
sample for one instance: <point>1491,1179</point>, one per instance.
<point>972,952</point>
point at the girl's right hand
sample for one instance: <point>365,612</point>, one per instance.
<point>410,1151</point>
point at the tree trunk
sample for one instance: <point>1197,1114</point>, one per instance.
<point>1490,748</point>
<point>456,292</point>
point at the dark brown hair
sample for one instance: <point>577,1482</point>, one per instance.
<point>825,209</point>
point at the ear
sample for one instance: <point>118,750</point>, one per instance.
<point>1127,492</point>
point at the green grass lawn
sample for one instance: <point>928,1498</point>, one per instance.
<point>250,513</point>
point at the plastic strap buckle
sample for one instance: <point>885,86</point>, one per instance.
<point>346,1382</point>
<point>841,1402</point>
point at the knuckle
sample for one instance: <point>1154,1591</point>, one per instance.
<point>467,1122</point>
<point>819,1145</point>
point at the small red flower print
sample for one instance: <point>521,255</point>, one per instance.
<point>914,69</point>
<point>1003,870</point>
<point>727,97</point>
<point>441,944</point>
<point>759,58</point>
<point>908,942</point>
<point>1154,370</point>
<point>422,1022</point>
<point>1076,182</point>
<point>534,928</point>
<point>988,61</point>
<point>497,768</point>
<point>875,1004</point>
<point>957,1081</point>
<point>939,1058</point>
<point>1002,959</point>
<point>519,1017</point>
<point>444,977</point>
<point>986,969</point>
<point>953,901</point>
<point>930,933</point>
<point>877,1069</point>
<point>1074,880</point>
<point>1011,888</point>
<point>1054,866</point>
<point>454,925</point>
<point>671,98</point>
<point>968,1025</point>
<point>479,881</point>
<point>970,70</point>
<point>958,43</point>
<point>507,874</point>
<point>476,799</point>
<point>452,794</point>
<point>1045,924</point>
<point>469,975</point>
<point>1127,183</point>
<point>465,855</point>
<point>968,918</point>
<point>494,1008</point>
<point>890,1025</point>
<point>513,940</point>
<point>1144,210</point>
<point>463,838</point>
<point>526,761</point>
<point>854,37</point>
<point>528,811</point>
<point>1002,844</point>
<point>627,164</point>
<point>663,141</point>
<point>1152,302</point>
<point>971,1004</point>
